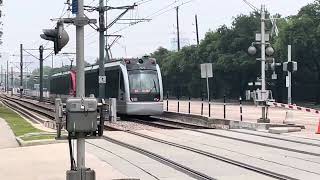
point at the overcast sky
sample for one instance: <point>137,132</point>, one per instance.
<point>24,21</point>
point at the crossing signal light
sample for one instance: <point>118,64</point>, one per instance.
<point>58,35</point>
<point>290,66</point>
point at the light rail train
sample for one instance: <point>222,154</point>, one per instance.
<point>135,83</point>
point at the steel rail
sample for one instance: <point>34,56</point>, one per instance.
<point>214,156</point>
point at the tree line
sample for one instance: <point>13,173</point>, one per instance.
<point>226,48</point>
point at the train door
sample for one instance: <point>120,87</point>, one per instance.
<point>121,94</point>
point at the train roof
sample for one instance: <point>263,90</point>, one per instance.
<point>129,62</point>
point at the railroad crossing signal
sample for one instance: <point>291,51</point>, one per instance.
<point>58,35</point>
<point>290,66</point>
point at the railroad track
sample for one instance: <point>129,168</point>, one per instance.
<point>165,123</point>
<point>205,153</point>
<point>45,99</point>
<point>181,168</point>
<point>31,110</point>
<point>177,166</point>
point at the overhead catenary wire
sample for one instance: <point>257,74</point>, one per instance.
<point>251,5</point>
<point>156,14</point>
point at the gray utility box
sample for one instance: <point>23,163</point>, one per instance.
<point>81,115</point>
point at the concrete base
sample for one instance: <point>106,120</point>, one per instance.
<point>87,174</point>
<point>263,120</point>
<point>221,123</point>
<point>280,130</point>
<point>289,118</point>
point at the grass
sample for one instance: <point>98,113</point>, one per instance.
<point>20,126</point>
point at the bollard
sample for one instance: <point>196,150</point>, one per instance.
<point>201,106</point>
<point>224,107</point>
<point>113,110</point>
<point>209,105</point>
<point>240,100</point>
<point>178,104</point>
<point>167,101</point>
<point>58,116</point>
<point>189,105</point>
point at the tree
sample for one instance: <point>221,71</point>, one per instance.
<point>302,31</point>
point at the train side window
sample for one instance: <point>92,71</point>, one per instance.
<point>112,86</point>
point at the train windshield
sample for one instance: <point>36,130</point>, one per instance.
<point>145,81</point>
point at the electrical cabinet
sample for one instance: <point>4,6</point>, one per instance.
<point>81,115</point>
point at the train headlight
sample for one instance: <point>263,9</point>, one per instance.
<point>140,61</point>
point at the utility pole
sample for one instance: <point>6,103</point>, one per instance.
<point>290,67</point>
<point>263,61</point>
<point>102,28</point>
<point>1,75</point>
<point>11,80</point>
<point>289,76</point>
<point>41,72</point>
<point>80,83</point>
<point>262,96</point>
<point>21,70</point>
<point>178,30</point>
<point>7,79</point>
<point>106,40</point>
<point>197,30</point>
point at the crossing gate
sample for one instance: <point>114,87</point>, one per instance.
<point>293,107</point>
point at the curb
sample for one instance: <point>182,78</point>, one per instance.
<point>23,143</point>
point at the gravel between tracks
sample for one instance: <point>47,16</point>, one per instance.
<point>132,126</point>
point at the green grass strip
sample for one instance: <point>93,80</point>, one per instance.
<point>18,125</point>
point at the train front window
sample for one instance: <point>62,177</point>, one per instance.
<point>144,82</point>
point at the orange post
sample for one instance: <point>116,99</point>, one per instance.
<point>318,130</point>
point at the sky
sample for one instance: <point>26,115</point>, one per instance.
<point>24,20</point>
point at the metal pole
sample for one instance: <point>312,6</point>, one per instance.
<point>1,76</point>
<point>178,30</point>
<point>11,80</point>
<point>240,100</point>
<point>80,81</point>
<point>7,79</point>
<point>197,30</point>
<point>41,73</point>
<point>106,32</point>
<point>21,69</point>
<point>289,77</point>
<point>201,105</point>
<point>167,101</point>
<point>263,60</point>
<point>224,107</point>
<point>101,51</point>
<point>189,105</point>
<point>208,89</point>
<point>178,104</point>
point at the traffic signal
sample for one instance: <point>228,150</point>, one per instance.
<point>58,35</point>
